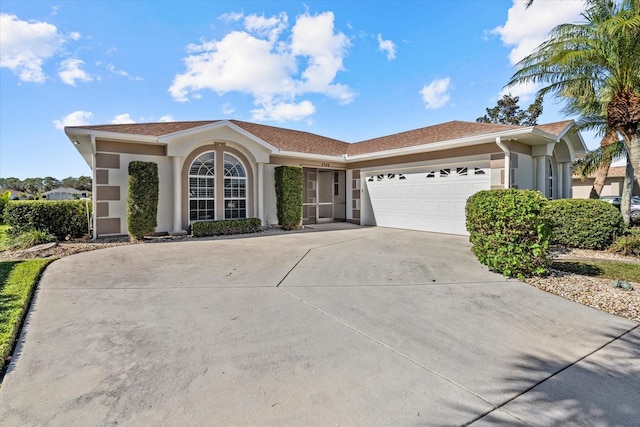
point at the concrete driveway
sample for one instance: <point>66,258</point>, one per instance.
<point>359,326</point>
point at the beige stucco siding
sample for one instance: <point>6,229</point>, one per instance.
<point>270,208</point>
<point>523,176</point>
<point>120,178</point>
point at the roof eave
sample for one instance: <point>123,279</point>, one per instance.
<point>310,156</point>
<point>124,137</point>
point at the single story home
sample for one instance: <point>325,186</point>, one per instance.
<point>418,179</point>
<point>612,184</point>
<point>64,193</point>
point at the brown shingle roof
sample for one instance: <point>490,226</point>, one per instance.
<point>555,128</point>
<point>427,135</point>
<point>150,129</point>
<point>305,142</point>
<point>294,140</point>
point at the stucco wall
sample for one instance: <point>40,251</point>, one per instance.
<point>120,177</point>
<point>524,174</point>
<point>270,208</point>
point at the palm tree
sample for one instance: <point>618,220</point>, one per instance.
<point>598,162</point>
<point>597,60</point>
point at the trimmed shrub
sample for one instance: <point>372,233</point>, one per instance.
<point>4,200</point>
<point>583,223</point>
<point>628,244</point>
<point>288,181</point>
<point>225,227</point>
<point>142,199</point>
<point>507,232</point>
<point>27,240</point>
<point>61,218</point>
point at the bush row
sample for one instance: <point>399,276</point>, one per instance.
<point>224,227</point>
<point>61,218</point>
<point>511,230</point>
<point>584,224</point>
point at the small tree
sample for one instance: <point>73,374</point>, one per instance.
<point>508,112</point>
<point>142,200</point>
<point>289,196</point>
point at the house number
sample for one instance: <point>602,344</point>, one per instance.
<point>326,165</point>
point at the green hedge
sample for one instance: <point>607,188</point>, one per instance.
<point>508,233</point>
<point>61,218</point>
<point>142,199</point>
<point>4,200</point>
<point>224,227</point>
<point>288,182</point>
<point>584,223</point>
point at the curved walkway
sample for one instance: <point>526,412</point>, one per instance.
<point>359,326</point>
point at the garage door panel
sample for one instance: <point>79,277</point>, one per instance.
<point>419,202</point>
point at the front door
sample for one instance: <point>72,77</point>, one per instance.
<point>325,195</point>
<point>317,197</point>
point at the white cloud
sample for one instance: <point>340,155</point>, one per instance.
<point>70,72</point>
<point>228,109</point>
<point>267,27</point>
<point>75,36</point>
<point>387,46</point>
<point>526,28</point>
<point>119,72</point>
<point>262,62</point>
<point>77,118</point>
<point>26,45</point>
<point>122,119</point>
<point>112,68</point>
<point>166,118</point>
<point>231,16</point>
<point>435,94</point>
<point>284,111</point>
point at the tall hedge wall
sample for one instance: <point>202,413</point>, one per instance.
<point>142,199</point>
<point>288,181</point>
<point>61,218</point>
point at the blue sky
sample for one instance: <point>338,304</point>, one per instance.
<point>350,70</point>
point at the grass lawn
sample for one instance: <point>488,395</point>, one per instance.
<point>17,283</point>
<point>3,232</point>
<point>602,268</point>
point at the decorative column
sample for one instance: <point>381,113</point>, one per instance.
<point>558,181</point>
<point>567,180</point>
<point>541,174</point>
<point>177,197</point>
<point>260,193</point>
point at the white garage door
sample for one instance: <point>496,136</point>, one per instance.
<point>430,200</point>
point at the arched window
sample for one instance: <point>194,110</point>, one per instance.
<point>235,188</point>
<point>202,187</point>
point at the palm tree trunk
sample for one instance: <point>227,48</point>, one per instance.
<point>627,192</point>
<point>600,178</point>
<point>633,148</point>
<point>603,170</point>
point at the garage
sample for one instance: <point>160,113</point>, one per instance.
<point>431,199</point>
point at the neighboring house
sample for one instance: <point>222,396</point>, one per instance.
<point>612,185</point>
<point>418,179</point>
<point>14,195</point>
<point>64,193</point>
